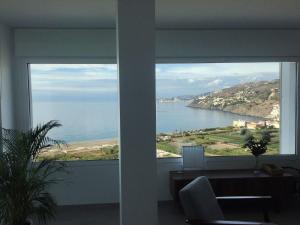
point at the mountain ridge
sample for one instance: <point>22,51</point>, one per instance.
<point>259,99</point>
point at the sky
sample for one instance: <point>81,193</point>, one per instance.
<point>93,82</point>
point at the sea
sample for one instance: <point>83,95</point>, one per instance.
<point>98,120</point>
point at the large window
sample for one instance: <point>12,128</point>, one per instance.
<point>207,104</point>
<point>215,104</point>
<point>83,98</point>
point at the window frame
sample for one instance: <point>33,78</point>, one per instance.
<point>23,66</point>
<point>217,162</point>
<point>294,156</point>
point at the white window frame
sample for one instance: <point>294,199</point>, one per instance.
<point>288,81</point>
<point>219,162</point>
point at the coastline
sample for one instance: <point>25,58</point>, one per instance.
<point>93,150</point>
<point>220,110</point>
<point>111,141</point>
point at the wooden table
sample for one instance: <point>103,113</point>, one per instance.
<point>237,182</point>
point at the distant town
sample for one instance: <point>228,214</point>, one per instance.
<point>273,121</point>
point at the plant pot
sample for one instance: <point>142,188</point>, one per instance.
<point>257,166</point>
<point>28,222</point>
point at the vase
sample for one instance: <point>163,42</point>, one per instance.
<point>28,222</point>
<point>257,167</point>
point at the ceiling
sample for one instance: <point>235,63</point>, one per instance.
<point>169,13</point>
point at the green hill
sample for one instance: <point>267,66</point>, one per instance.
<point>252,99</point>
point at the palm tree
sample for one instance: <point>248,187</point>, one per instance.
<point>23,181</point>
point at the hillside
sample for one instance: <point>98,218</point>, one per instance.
<point>253,99</point>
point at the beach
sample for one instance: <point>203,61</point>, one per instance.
<point>91,150</point>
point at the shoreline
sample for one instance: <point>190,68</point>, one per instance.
<point>220,110</point>
<point>114,141</point>
<point>214,143</point>
<point>95,141</point>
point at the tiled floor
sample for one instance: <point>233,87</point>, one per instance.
<point>169,214</point>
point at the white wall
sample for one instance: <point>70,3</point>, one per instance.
<point>97,181</point>
<point>206,45</point>
<point>6,54</point>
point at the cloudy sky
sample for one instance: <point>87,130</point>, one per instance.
<point>89,82</point>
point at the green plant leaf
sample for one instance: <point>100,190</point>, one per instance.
<point>23,182</point>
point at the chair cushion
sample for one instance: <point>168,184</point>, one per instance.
<point>199,201</point>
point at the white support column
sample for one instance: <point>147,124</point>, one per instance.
<point>136,65</point>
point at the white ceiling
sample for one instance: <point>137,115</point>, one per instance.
<point>170,13</point>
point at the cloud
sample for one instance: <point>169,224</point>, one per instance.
<point>214,83</point>
<point>208,70</point>
<point>70,72</point>
<point>52,67</point>
<point>172,79</point>
<point>64,89</point>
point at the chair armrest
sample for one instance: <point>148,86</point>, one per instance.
<point>222,222</point>
<point>259,198</point>
<point>263,201</point>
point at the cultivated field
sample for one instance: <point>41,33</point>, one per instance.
<point>225,141</point>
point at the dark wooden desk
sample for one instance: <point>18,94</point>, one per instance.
<point>237,182</point>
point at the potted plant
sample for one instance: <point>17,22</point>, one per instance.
<point>24,182</point>
<point>256,145</point>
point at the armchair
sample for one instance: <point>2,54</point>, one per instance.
<point>201,206</point>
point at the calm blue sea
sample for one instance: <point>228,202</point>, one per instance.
<point>83,121</point>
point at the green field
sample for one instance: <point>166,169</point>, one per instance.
<point>226,141</point>
<point>107,153</point>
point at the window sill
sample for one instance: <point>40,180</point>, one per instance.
<point>233,161</point>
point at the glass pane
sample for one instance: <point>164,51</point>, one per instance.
<point>83,98</point>
<point>212,104</point>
